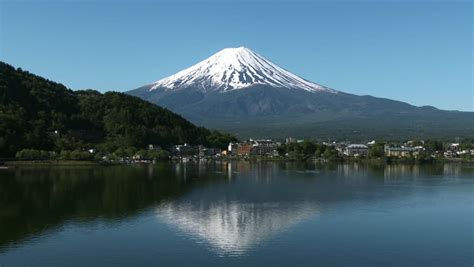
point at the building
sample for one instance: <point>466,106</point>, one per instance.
<point>232,149</point>
<point>454,151</point>
<point>185,150</point>
<point>399,151</point>
<point>263,147</point>
<point>450,154</point>
<point>208,152</point>
<point>356,150</point>
<point>243,150</point>
<point>454,147</point>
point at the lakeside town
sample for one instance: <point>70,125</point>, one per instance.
<point>301,149</point>
<point>419,151</point>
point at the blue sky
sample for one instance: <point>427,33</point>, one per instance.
<point>417,52</point>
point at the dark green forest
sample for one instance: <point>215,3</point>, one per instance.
<point>39,114</point>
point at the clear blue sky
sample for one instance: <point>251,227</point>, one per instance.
<point>418,52</point>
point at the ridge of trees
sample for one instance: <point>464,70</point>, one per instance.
<point>39,114</point>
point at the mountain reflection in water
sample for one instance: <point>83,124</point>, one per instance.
<point>228,208</point>
<point>233,228</point>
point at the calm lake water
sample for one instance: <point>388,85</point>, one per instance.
<point>238,214</point>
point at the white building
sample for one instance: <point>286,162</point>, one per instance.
<point>264,147</point>
<point>356,150</point>
<point>232,148</point>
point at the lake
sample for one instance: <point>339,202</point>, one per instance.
<point>238,214</point>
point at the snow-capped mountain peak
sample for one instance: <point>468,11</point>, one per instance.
<point>236,68</point>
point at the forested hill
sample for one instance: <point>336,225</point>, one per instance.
<point>36,113</point>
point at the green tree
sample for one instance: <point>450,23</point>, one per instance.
<point>433,145</point>
<point>377,150</point>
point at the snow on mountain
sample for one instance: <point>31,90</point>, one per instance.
<point>236,68</point>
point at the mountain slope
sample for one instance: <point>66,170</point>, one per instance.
<point>240,91</point>
<point>41,114</point>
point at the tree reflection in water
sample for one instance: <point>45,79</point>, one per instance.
<point>231,206</point>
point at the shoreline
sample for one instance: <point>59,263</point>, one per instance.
<point>19,163</point>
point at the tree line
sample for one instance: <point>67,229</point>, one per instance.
<point>42,115</point>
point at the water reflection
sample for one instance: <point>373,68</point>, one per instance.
<point>261,200</point>
<point>232,228</point>
<point>231,207</point>
<point>36,201</point>
<point>234,216</point>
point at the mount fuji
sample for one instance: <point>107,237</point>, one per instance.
<point>236,68</point>
<point>242,92</point>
